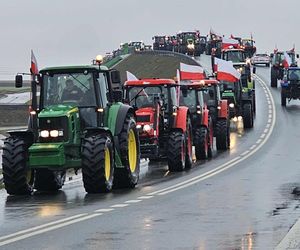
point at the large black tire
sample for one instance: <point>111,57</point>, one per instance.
<point>17,177</point>
<point>176,152</point>
<point>222,134</point>
<point>128,176</point>
<point>189,145</point>
<point>273,78</point>
<point>97,163</point>
<point>283,97</point>
<point>47,180</point>
<point>248,115</point>
<point>201,142</point>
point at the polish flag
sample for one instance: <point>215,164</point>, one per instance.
<point>227,42</point>
<point>34,66</point>
<point>287,61</point>
<point>226,71</point>
<point>130,76</point>
<point>191,72</point>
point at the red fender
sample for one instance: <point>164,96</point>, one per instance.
<point>181,118</point>
<point>223,110</point>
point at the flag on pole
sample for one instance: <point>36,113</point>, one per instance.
<point>34,66</point>
<point>130,76</point>
<point>226,71</point>
<point>287,61</point>
<point>227,42</point>
<point>191,72</point>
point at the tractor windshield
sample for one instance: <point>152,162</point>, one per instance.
<point>141,96</point>
<point>68,88</point>
<point>236,56</point>
<point>247,43</point>
<point>226,86</point>
<point>188,99</point>
<point>294,75</point>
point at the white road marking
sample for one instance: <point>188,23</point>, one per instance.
<point>266,130</point>
<point>133,201</point>
<point>262,135</point>
<point>252,147</point>
<point>246,152</point>
<point>258,141</point>
<point>104,210</point>
<point>44,230</point>
<point>146,197</point>
<point>291,239</point>
<point>119,205</point>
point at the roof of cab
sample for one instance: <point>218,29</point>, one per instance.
<point>74,68</point>
<point>201,83</point>
<point>150,81</point>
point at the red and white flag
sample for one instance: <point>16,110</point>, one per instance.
<point>226,71</point>
<point>34,66</point>
<point>191,72</point>
<point>227,42</point>
<point>287,61</point>
<point>130,76</point>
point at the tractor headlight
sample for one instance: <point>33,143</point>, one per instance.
<point>240,69</point>
<point>54,133</point>
<point>147,127</point>
<point>191,46</point>
<point>138,126</point>
<point>44,133</point>
<point>231,105</point>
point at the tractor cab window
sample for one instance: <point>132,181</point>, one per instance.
<point>141,97</point>
<point>227,86</point>
<point>68,88</point>
<point>188,98</point>
<point>294,75</point>
<point>234,56</point>
<point>292,56</point>
<point>247,43</point>
<point>173,96</point>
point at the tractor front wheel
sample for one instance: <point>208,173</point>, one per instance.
<point>248,115</point>
<point>201,143</point>
<point>97,163</point>
<point>128,175</point>
<point>273,78</point>
<point>222,134</point>
<point>189,146</point>
<point>18,178</point>
<point>176,151</point>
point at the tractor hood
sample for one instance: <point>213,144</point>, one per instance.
<point>145,115</point>
<point>57,111</point>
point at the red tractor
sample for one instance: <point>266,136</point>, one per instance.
<point>218,110</point>
<point>165,127</point>
<point>191,95</point>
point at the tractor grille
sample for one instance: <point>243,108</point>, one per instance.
<point>143,118</point>
<point>54,123</point>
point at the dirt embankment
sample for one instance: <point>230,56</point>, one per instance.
<point>153,64</point>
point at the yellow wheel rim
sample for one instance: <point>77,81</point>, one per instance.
<point>132,151</point>
<point>107,164</point>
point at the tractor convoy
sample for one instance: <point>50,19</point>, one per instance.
<point>84,118</point>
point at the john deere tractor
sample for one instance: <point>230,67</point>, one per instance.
<point>78,123</point>
<point>189,43</point>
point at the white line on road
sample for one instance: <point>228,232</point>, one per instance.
<point>246,152</point>
<point>119,205</point>
<point>104,210</point>
<point>252,147</point>
<point>146,197</point>
<point>133,201</point>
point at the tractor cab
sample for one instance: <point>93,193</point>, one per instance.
<point>249,46</point>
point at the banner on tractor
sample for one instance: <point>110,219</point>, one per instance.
<point>226,71</point>
<point>34,66</point>
<point>287,61</point>
<point>228,42</point>
<point>130,76</point>
<point>191,72</point>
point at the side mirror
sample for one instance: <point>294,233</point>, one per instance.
<point>254,70</point>
<point>19,81</point>
<point>118,95</point>
<point>297,55</point>
<point>115,76</point>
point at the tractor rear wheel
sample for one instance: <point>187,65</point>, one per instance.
<point>128,176</point>
<point>18,178</point>
<point>273,78</point>
<point>283,97</point>
<point>222,134</point>
<point>248,115</point>
<point>176,151</point>
<point>201,143</point>
<point>97,163</point>
<point>47,180</point>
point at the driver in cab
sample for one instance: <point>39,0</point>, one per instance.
<point>71,91</point>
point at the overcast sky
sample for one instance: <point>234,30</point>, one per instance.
<point>63,32</point>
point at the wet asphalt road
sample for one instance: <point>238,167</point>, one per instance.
<point>247,206</point>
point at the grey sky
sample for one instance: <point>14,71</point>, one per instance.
<point>73,32</point>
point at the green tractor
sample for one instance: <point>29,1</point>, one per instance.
<point>78,122</point>
<point>240,101</point>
